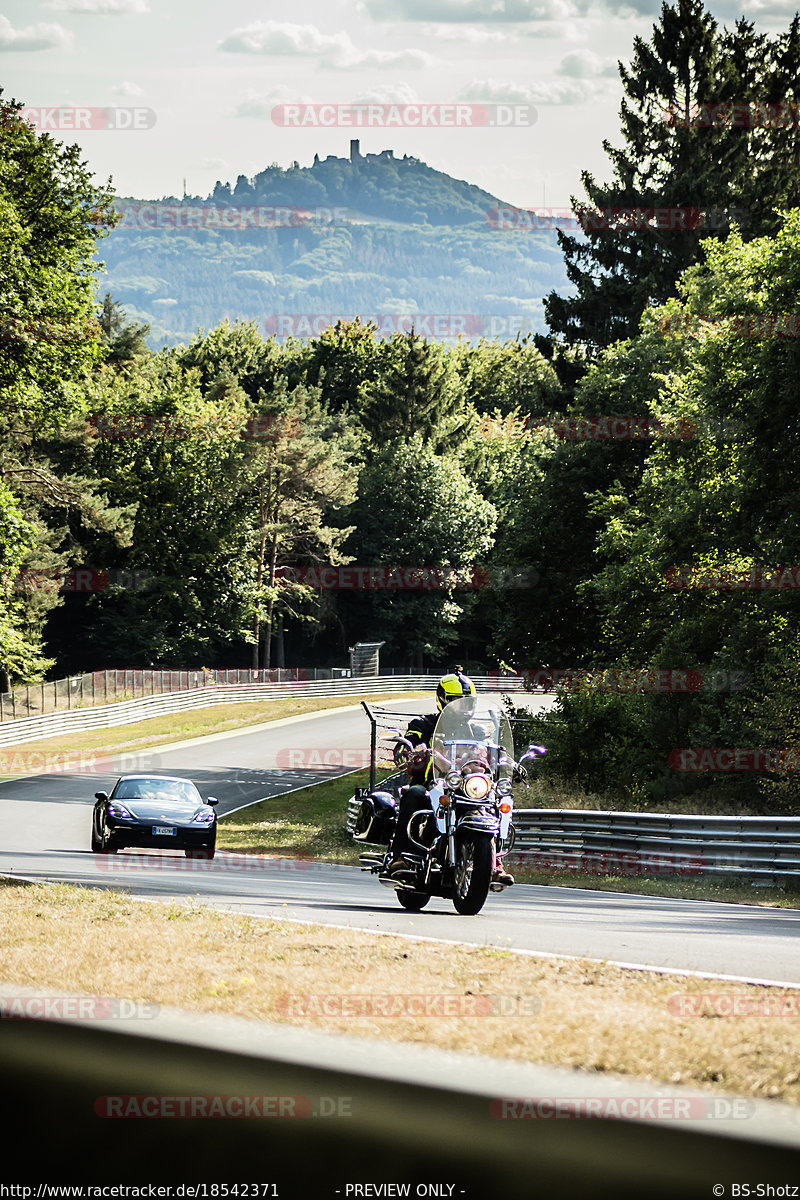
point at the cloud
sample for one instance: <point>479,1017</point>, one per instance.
<point>472,34</point>
<point>584,64</point>
<point>465,11</point>
<point>284,39</point>
<point>103,8</point>
<point>403,60</point>
<point>211,164</point>
<point>34,37</point>
<point>390,93</point>
<point>336,50</point>
<point>501,91</point>
<point>126,88</point>
<point>261,104</point>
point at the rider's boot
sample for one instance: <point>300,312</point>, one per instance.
<point>499,873</point>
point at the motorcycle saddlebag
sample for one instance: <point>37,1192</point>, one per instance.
<point>376,819</point>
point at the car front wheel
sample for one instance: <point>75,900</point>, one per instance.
<point>201,852</point>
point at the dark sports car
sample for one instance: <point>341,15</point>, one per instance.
<point>154,810</point>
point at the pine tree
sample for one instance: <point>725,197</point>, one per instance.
<point>416,392</point>
<point>672,159</point>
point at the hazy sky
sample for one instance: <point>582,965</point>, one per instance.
<point>212,76</point>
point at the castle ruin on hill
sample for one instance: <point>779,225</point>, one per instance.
<point>357,157</point>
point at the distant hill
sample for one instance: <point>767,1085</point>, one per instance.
<point>370,235</point>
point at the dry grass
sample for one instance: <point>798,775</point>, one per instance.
<point>580,1014</point>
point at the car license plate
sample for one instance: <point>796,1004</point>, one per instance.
<point>164,831</point>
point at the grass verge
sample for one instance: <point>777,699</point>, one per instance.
<point>308,822</point>
<point>665,1029</point>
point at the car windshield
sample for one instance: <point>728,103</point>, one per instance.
<point>154,788</point>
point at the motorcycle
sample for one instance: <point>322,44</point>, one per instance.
<point>466,824</point>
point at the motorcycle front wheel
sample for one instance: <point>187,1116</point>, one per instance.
<point>473,874</point>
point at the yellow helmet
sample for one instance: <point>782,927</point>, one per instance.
<point>453,687</point>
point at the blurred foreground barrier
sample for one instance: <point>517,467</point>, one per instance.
<point>67,1088</point>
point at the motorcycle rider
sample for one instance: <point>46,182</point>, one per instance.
<point>420,770</point>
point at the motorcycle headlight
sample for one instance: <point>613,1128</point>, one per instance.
<point>204,817</point>
<point>119,810</point>
<point>453,779</point>
<point>477,787</point>
<point>503,787</point>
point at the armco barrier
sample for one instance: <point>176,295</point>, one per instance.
<point>586,842</point>
<point>125,712</point>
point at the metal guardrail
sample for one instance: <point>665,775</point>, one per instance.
<point>632,843</point>
<point>125,712</point>
<point>112,686</point>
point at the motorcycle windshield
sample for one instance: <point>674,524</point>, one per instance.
<point>473,735</point>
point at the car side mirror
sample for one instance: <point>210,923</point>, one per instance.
<point>101,796</point>
<point>212,800</point>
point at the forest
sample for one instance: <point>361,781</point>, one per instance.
<point>347,238</point>
<point>615,501</point>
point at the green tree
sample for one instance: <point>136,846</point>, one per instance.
<point>417,391</point>
<point>671,159</point>
<point>707,511</point>
<point>51,214</point>
<point>417,509</point>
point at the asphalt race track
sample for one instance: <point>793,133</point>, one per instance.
<point>46,824</point>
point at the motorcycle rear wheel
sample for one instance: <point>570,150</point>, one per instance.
<point>412,901</point>
<point>473,875</point>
